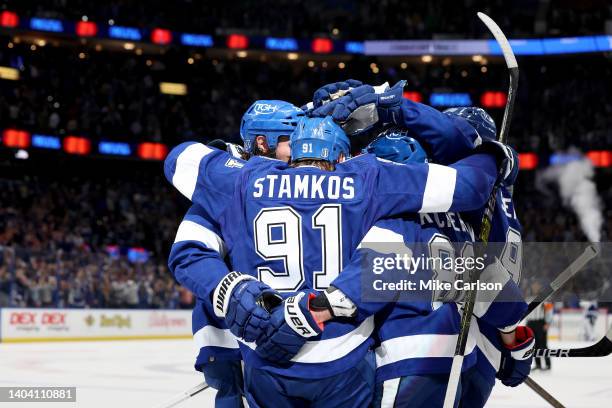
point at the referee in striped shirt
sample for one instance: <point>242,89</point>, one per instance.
<point>539,321</point>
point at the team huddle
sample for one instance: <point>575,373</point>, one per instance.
<point>275,243</point>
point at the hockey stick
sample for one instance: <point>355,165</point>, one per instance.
<point>485,229</point>
<point>602,348</point>
<point>185,395</point>
<point>543,393</point>
<point>589,253</point>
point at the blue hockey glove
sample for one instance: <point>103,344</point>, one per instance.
<point>365,106</point>
<point>331,92</point>
<point>236,300</point>
<point>506,157</point>
<point>288,329</point>
<point>516,359</point>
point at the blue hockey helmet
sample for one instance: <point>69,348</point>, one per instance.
<point>319,138</point>
<point>395,144</point>
<point>478,118</point>
<point>269,118</point>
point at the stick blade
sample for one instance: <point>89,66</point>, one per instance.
<point>501,39</point>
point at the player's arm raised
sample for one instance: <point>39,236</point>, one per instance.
<point>205,175</point>
<point>432,188</point>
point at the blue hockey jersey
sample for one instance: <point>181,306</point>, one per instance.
<point>504,314</point>
<point>198,253</point>
<point>418,337</point>
<point>294,228</point>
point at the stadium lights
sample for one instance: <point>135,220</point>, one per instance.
<point>114,148</point>
<point>292,56</point>
<point>476,58</point>
<point>322,46</point>
<point>528,161</point>
<point>242,54</point>
<point>600,158</point>
<point>237,41</point>
<point>413,96</point>
<point>22,154</point>
<point>403,65</point>
<point>161,36</point>
<point>77,145</point>
<point>493,99</point>
<point>311,64</point>
<point>46,24</point>
<point>9,19</point>
<point>86,28</point>
<point>16,138</point>
<point>483,69</point>
<point>152,151</point>
<point>124,33</point>
<point>341,65</point>
<point>190,61</point>
<point>129,46</point>
<point>173,88</point>
<point>46,142</point>
<point>11,74</point>
<point>427,59</point>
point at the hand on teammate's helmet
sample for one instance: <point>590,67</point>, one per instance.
<point>288,329</point>
<point>331,92</point>
<point>516,359</point>
<point>355,109</point>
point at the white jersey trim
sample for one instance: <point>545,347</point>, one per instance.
<point>439,189</point>
<point>324,351</point>
<point>491,352</point>
<point>187,169</point>
<point>192,231</point>
<point>211,336</point>
<point>423,346</point>
<point>390,389</point>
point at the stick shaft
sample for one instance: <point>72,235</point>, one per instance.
<point>185,395</point>
<point>589,253</point>
<point>543,393</point>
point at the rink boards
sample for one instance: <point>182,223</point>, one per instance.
<point>19,325</point>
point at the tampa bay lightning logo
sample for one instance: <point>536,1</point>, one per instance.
<point>265,108</point>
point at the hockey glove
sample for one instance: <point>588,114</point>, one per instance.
<point>365,106</point>
<point>235,300</point>
<point>506,157</point>
<point>288,329</point>
<point>516,359</point>
<point>331,92</point>
<point>335,302</point>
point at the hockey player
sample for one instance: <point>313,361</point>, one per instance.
<point>191,167</point>
<point>494,358</point>
<point>508,360</point>
<point>199,247</point>
<point>416,339</point>
<point>266,127</point>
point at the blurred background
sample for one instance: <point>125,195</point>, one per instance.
<point>94,94</point>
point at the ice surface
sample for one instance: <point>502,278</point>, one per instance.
<point>147,373</point>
